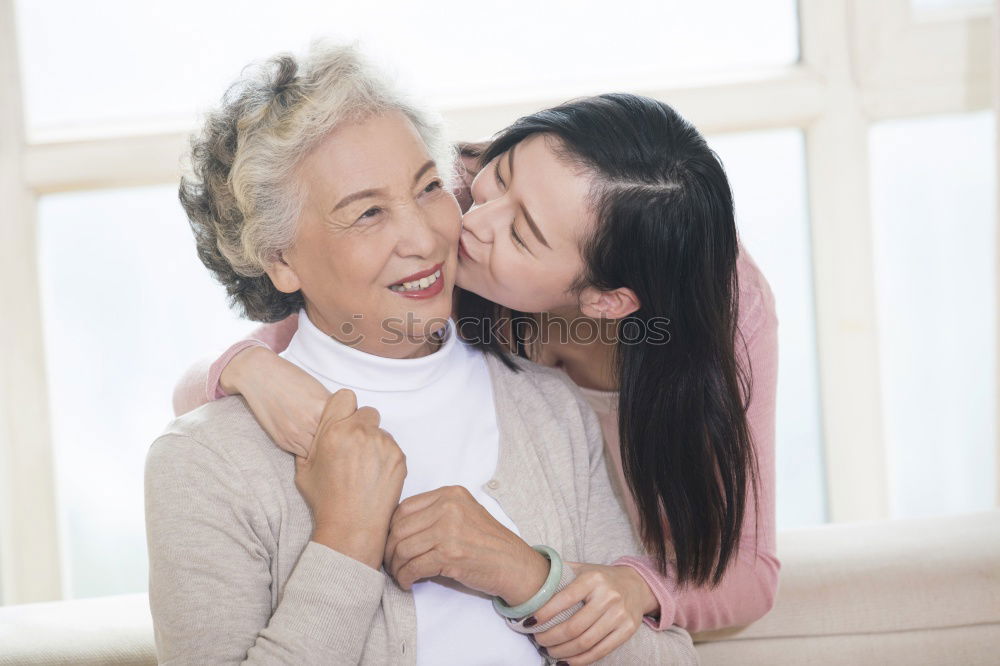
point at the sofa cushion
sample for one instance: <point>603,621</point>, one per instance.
<point>107,630</point>
<point>881,577</point>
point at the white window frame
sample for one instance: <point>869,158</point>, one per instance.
<point>862,61</point>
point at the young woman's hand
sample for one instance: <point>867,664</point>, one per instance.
<point>286,399</point>
<point>446,532</point>
<point>615,599</point>
<point>351,480</point>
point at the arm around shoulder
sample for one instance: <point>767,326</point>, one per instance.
<point>202,382</point>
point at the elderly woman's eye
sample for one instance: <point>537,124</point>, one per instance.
<point>371,212</point>
<point>433,185</point>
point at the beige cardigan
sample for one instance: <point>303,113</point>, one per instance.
<point>234,577</point>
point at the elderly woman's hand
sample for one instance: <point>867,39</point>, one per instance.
<point>286,400</point>
<point>615,598</point>
<point>352,479</point>
<point>446,532</point>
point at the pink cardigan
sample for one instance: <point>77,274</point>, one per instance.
<point>748,589</point>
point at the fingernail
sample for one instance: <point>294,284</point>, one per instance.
<point>530,622</point>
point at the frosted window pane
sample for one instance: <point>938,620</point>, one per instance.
<point>109,60</point>
<point>127,307</point>
<point>933,201</point>
<point>767,172</point>
<point>949,4</point>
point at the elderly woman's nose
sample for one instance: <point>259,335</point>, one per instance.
<point>417,235</point>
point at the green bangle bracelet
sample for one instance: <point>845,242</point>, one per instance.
<point>546,592</point>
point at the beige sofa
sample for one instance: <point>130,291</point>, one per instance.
<point>904,592</point>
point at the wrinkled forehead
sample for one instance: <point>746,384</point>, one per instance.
<point>378,151</point>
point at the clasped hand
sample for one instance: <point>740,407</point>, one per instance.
<point>446,532</point>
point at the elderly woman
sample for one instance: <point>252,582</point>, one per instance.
<point>317,189</point>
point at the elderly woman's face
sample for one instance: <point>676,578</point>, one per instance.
<point>376,244</point>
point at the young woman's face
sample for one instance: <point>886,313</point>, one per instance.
<point>520,244</point>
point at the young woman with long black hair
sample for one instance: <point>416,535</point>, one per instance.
<point>601,240</point>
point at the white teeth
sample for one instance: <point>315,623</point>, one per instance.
<point>417,285</point>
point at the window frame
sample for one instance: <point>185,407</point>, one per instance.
<point>861,62</point>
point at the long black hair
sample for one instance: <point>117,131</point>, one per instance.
<point>665,229</point>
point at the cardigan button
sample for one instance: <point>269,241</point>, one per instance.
<point>493,484</point>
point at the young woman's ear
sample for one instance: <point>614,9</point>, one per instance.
<point>283,276</point>
<point>615,304</point>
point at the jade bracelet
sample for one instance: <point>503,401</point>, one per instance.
<point>546,592</point>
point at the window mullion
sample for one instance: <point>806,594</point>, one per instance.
<point>843,273</point>
<point>782,97</point>
<point>29,543</point>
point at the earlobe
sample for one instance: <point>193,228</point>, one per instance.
<point>283,276</point>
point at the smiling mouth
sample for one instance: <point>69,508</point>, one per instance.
<point>417,285</point>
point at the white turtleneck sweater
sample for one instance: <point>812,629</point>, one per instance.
<point>440,410</point>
